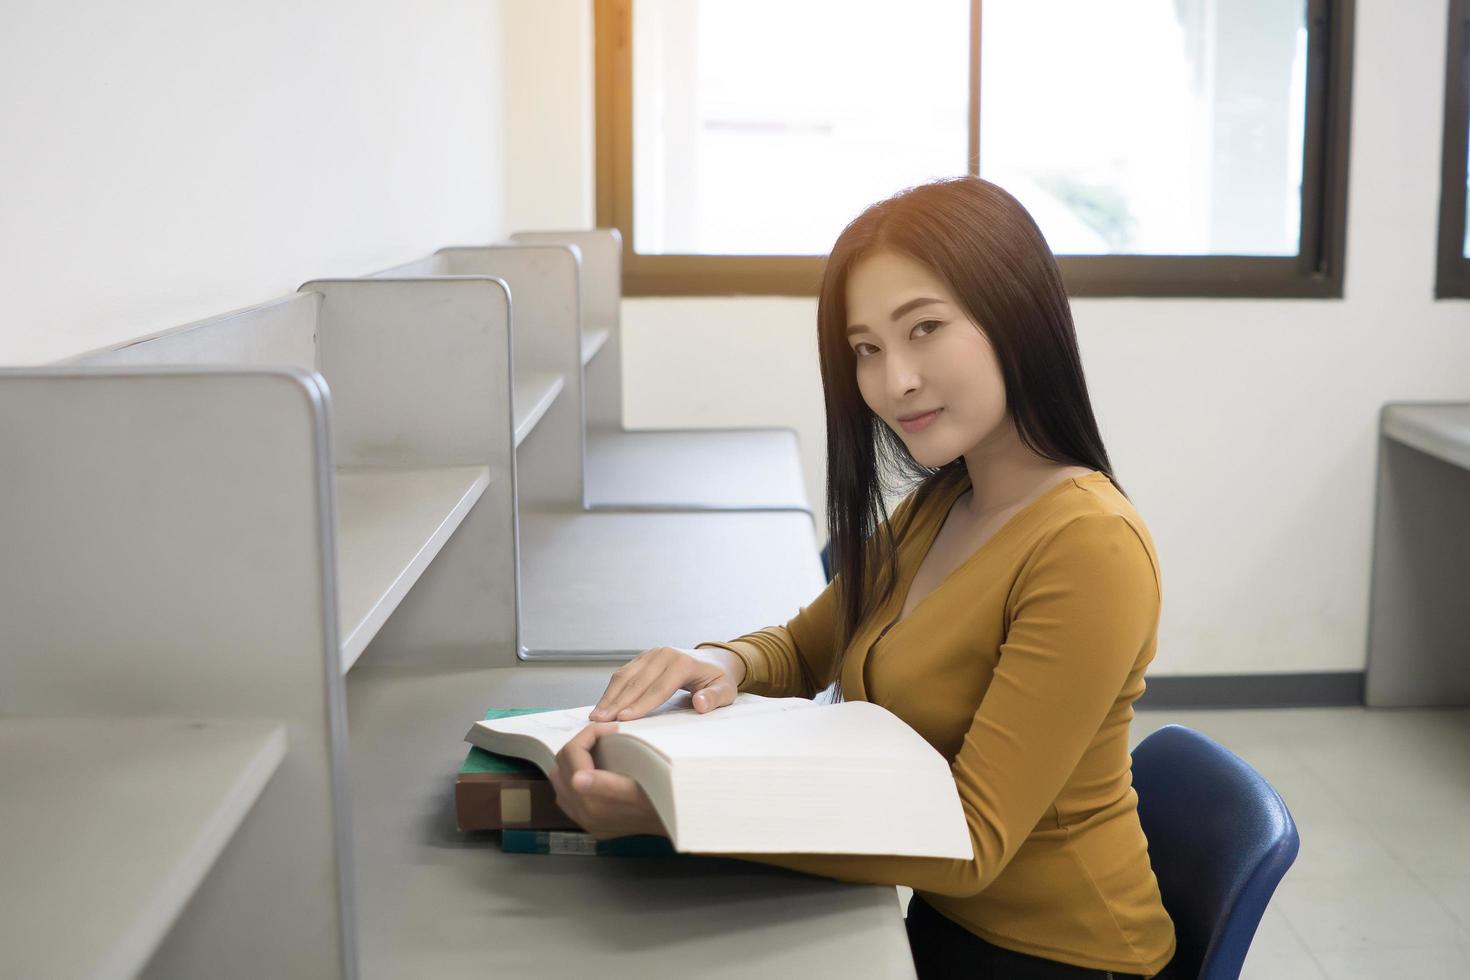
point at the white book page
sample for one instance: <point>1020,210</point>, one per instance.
<point>851,733</point>
<point>852,778</point>
<point>555,728</point>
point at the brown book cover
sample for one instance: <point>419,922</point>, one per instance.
<point>495,792</point>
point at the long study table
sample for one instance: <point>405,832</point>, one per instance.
<point>434,902</point>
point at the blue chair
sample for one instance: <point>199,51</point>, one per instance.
<point>827,560</point>
<point>1219,838</point>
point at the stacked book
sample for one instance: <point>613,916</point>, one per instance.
<point>495,792</point>
<point>511,795</point>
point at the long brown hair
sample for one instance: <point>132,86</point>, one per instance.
<point>988,250</point>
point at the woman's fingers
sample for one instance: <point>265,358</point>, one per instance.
<point>605,804</point>
<point>576,755</point>
<point>653,677</point>
<point>652,672</point>
<point>610,788</point>
<point>614,697</point>
<point>654,692</point>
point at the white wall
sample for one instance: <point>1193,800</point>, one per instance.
<point>1245,431</point>
<point>549,115</point>
<point>166,160</point>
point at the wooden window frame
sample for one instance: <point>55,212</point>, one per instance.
<point>1453,274</point>
<point>1316,272</point>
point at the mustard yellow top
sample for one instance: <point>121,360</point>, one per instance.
<point>1021,668</point>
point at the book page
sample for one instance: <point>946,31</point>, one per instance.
<point>852,778</point>
<point>853,732</point>
<point>555,728</point>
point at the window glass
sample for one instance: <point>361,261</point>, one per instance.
<point>761,127</point>
<point>1166,127</point>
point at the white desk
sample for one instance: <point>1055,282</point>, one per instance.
<point>433,902</point>
<point>94,898</point>
<point>532,398</point>
<point>391,524</point>
<point>593,341</point>
<point>694,469</point>
<point>610,585</point>
<point>1441,430</point>
<point>1418,616</point>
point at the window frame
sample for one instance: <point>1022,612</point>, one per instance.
<point>1315,273</point>
<point>1452,280</point>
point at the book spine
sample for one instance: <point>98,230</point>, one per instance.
<point>494,804</point>
<point>578,842</point>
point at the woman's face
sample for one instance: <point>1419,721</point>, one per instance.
<point>918,351</point>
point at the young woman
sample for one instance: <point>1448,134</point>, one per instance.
<point>1006,611</point>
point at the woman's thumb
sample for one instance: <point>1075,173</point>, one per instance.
<point>717,695</point>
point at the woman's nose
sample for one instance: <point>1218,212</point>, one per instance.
<point>902,377</point>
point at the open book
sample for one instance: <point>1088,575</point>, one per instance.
<point>768,775</point>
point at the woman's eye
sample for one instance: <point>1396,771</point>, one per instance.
<point>933,323</point>
<point>858,349</point>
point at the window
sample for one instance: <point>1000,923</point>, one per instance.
<point>1454,221</point>
<point>1165,147</point>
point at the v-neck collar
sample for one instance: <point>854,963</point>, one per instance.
<point>931,531</point>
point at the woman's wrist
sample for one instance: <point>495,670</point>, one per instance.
<point>732,663</point>
<point>735,667</point>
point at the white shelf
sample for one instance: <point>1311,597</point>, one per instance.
<point>694,469</point>
<point>592,321</point>
<point>611,585</point>
<point>391,524</point>
<point>109,825</point>
<point>531,397</point>
<point>592,342</point>
<point>434,902</point>
<point>1442,431</point>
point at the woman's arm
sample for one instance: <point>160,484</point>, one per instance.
<point>1085,610</point>
<point>795,660</point>
<point>800,658</point>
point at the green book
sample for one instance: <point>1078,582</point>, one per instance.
<point>577,842</point>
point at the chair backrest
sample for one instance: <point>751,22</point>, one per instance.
<point>1220,839</point>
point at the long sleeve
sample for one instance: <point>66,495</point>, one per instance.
<point>800,658</point>
<point>1083,611</point>
<point>795,660</point>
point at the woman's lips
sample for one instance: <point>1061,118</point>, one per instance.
<point>922,422</point>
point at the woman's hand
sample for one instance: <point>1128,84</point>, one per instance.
<point>648,680</point>
<point>605,804</point>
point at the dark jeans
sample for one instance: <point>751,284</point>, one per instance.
<point>945,950</point>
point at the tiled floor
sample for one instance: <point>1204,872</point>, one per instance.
<point>1381,798</point>
<point>1382,802</point>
